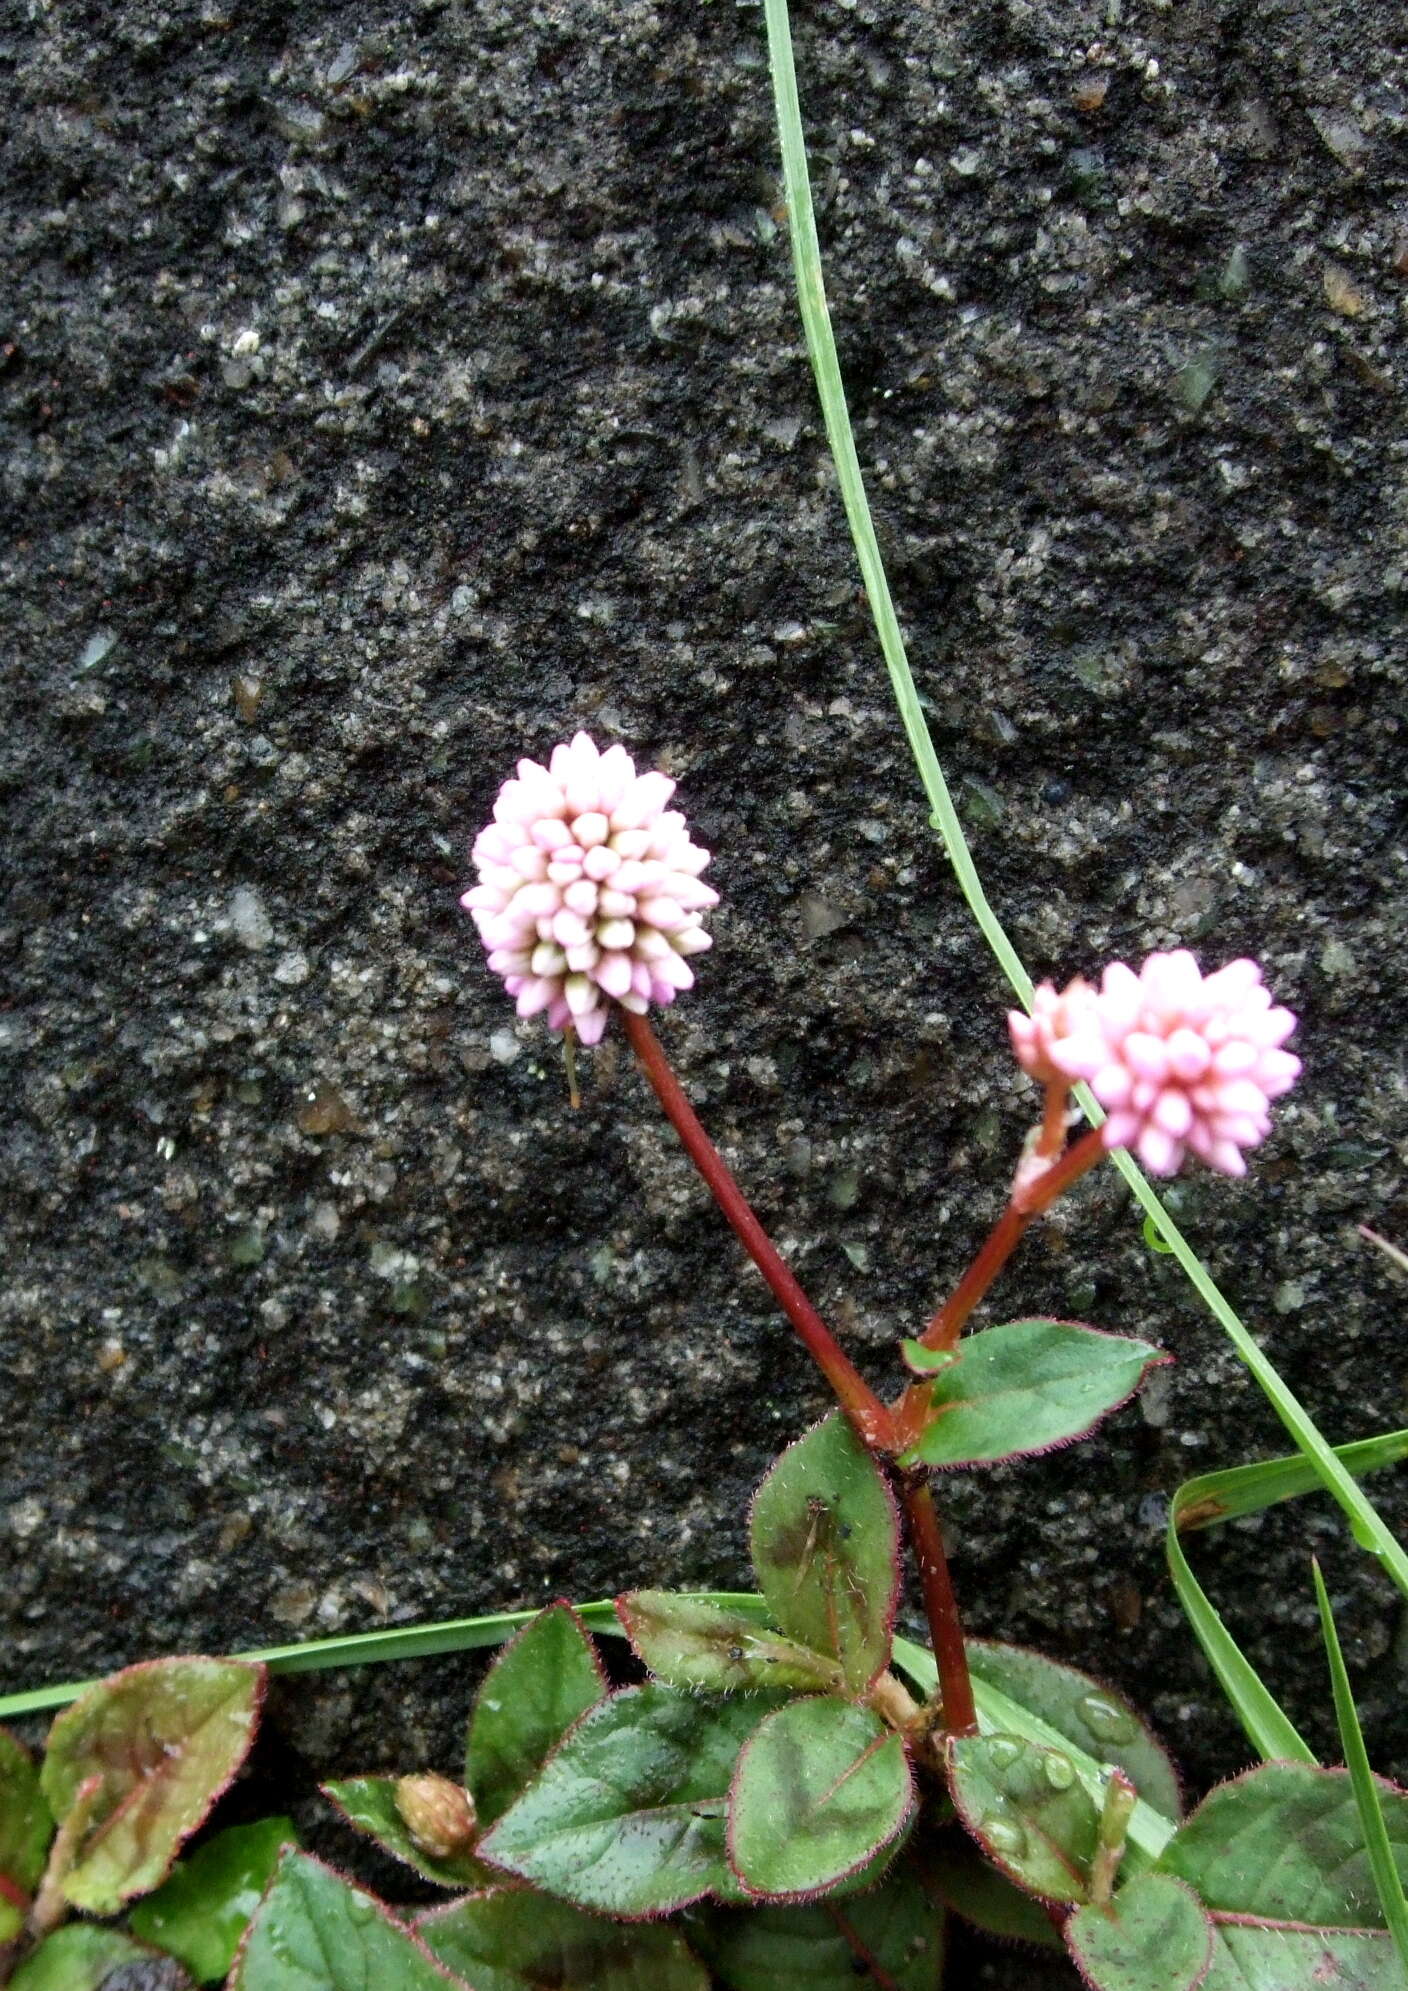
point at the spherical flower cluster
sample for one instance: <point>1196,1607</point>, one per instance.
<point>589,889</point>
<point>1181,1061</point>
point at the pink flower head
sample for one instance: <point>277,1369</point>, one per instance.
<point>589,889</point>
<point>1180,1060</point>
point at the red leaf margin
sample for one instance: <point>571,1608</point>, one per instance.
<point>383,1909</point>
<point>892,1602</point>
<point>1160,1359</point>
<point>801,1897</point>
<point>260,1674</point>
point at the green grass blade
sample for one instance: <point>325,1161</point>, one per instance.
<point>1239,1490</point>
<point>315,1655</point>
<point>1224,1496</point>
<point>821,347</point>
<point>1371,1818</point>
<point>1370,1530</point>
<point>1270,1729</point>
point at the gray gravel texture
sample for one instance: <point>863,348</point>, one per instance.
<point>391,390</point>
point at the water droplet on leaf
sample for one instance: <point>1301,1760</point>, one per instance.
<point>1106,1718</point>
<point>1003,1750</point>
<point>1059,1770</point>
<point>1004,1835</point>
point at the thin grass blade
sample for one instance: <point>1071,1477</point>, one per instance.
<point>1387,1879</point>
<point>315,1655</point>
<point>1225,1496</point>
<point>1370,1530</point>
<point>1391,1251</point>
<point>1269,1728</point>
<point>1239,1490</point>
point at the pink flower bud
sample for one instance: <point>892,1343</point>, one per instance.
<point>589,888</point>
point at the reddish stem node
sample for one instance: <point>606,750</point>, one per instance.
<point>873,1420</point>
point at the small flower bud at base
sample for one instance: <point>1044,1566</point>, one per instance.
<point>438,1815</point>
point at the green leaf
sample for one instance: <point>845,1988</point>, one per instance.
<point>825,1543</point>
<point>13,1912</point>
<point>1149,1831</point>
<point>973,1888</point>
<point>1153,1936</point>
<point>1090,1715</point>
<point>1361,1777</point>
<point>201,1912</point>
<point>369,1803</point>
<point>541,1683</point>
<point>895,1929</point>
<point>821,1787</point>
<point>1028,1810</point>
<point>1283,1844</point>
<point>517,1941</point>
<point>1270,1729</point>
<point>77,1958</point>
<point>166,1737</point>
<point>628,1814</point>
<point>1248,1958</point>
<point>316,1932</point>
<point>689,1642</point>
<point>1026,1387</point>
<point>26,1825</point>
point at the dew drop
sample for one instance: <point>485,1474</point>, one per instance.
<point>1106,1718</point>
<point>1059,1770</point>
<point>1003,1751</point>
<point>1004,1835</point>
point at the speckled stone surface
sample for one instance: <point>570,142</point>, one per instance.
<point>389,391</point>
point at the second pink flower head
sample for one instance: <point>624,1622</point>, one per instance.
<point>1182,1062</point>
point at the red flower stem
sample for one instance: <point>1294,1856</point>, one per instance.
<point>1053,1118</point>
<point>873,1420</point>
<point>941,1608</point>
<point>948,1323</point>
<point>912,1409</point>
